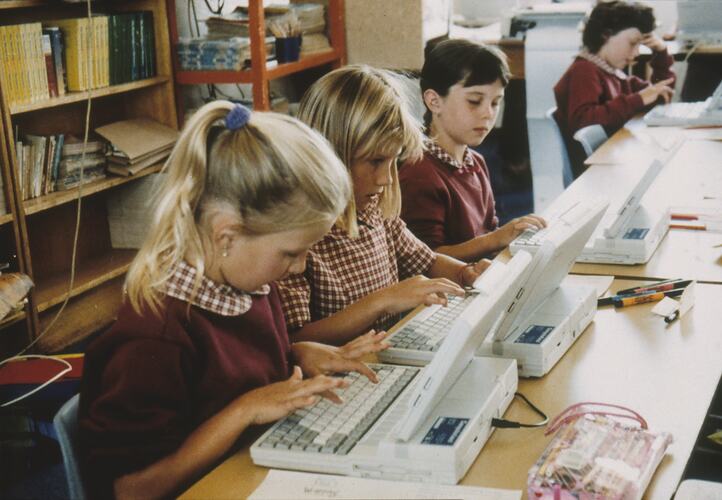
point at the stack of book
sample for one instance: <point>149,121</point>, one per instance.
<point>311,16</point>
<point>23,71</point>
<point>137,144</point>
<point>90,157</point>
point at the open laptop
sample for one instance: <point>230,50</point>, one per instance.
<point>631,233</point>
<point>706,113</point>
<point>416,424</point>
<point>699,23</point>
<point>544,318</point>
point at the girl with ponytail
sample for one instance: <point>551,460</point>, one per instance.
<point>200,350</point>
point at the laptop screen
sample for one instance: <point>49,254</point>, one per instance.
<point>563,241</point>
<point>629,206</point>
<point>494,288</point>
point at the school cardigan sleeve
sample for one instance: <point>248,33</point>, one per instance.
<point>587,95</point>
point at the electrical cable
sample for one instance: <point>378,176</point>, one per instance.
<point>74,255</point>
<point>510,424</point>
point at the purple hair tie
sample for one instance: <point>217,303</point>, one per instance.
<point>237,117</point>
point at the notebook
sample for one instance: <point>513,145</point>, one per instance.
<point>706,113</point>
<point>417,424</point>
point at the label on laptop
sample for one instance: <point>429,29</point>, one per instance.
<point>445,431</point>
<point>636,233</point>
<point>535,334</point>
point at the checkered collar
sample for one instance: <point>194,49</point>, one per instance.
<point>214,297</point>
<point>443,156</point>
<point>602,64</point>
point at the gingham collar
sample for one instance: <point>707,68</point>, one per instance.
<point>442,155</point>
<point>214,297</point>
<point>602,64</point>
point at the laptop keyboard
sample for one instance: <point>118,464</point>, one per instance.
<point>426,333</point>
<point>530,237</point>
<point>331,428</point>
<point>684,110</point>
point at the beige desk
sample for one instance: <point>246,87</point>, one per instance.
<point>626,356</point>
<point>692,178</point>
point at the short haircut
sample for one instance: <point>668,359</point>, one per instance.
<point>461,61</point>
<point>609,18</point>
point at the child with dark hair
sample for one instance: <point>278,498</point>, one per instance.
<point>447,197</point>
<point>595,90</point>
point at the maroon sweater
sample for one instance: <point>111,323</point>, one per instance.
<point>588,95</point>
<point>444,205</point>
<point>149,382</point>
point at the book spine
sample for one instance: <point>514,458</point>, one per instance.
<point>142,68</point>
<point>50,66</point>
<point>36,33</point>
<point>150,30</point>
<point>60,141</point>
<point>56,46</point>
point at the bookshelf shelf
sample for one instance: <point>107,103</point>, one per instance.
<point>246,76</point>
<point>60,197</point>
<point>259,75</point>
<point>39,232</point>
<point>20,4</point>
<point>51,290</point>
<point>73,97</point>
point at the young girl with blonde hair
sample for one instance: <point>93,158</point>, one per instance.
<point>369,267</point>
<point>200,349</point>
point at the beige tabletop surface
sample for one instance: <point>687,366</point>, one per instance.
<point>627,356</point>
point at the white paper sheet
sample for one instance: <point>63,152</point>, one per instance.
<point>281,484</point>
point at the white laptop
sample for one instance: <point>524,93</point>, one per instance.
<point>699,23</point>
<point>631,233</point>
<point>706,113</point>
<point>416,424</point>
<point>544,318</point>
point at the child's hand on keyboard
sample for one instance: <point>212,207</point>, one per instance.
<point>416,291</point>
<point>661,89</point>
<point>509,231</point>
<point>274,401</point>
<point>316,359</point>
<point>470,272</point>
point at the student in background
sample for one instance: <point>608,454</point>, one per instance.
<point>200,349</point>
<point>369,267</point>
<point>447,198</point>
<point>595,89</point>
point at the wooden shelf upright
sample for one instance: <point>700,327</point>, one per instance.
<point>41,230</point>
<point>259,74</point>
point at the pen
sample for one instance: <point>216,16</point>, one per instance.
<point>614,299</point>
<point>662,286</point>
<point>688,226</point>
<point>633,300</point>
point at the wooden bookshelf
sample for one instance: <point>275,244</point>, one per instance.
<point>60,197</point>
<point>72,97</point>
<point>43,228</point>
<point>21,4</point>
<point>51,290</point>
<point>259,74</point>
<point>246,76</point>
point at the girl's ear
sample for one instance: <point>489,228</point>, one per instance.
<point>433,100</point>
<point>225,229</point>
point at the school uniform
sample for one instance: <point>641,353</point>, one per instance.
<point>341,269</point>
<point>446,202</point>
<point>150,381</point>
<point>591,92</point>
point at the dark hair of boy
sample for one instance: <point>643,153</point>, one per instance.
<point>609,18</point>
<point>461,61</point>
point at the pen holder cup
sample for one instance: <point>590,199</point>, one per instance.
<point>288,49</point>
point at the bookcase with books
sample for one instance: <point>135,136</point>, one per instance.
<point>259,74</point>
<point>54,63</point>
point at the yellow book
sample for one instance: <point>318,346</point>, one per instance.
<point>76,51</point>
<point>22,82</point>
<point>35,34</point>
<point>15,90</point>
<point>5,78</point>
<point>26,69</point>
<point>105,49</point>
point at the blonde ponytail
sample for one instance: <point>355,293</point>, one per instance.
<point>274,172</point>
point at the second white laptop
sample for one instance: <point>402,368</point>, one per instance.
<point>706,113</point>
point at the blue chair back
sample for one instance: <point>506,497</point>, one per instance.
<point>567,175</point>
<point>66,426</point>
<point>590,137</point>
